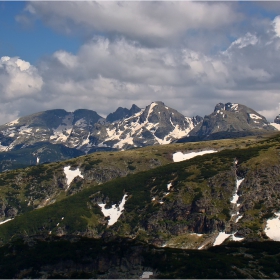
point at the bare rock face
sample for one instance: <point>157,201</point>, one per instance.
<point>229,120</point>
<point>7,211</point>
<point>2,209</point>
<point>84,131</point>
<point>11,212</point>
<point>122,113</point>
<point>156,124</point>
<point>277,119</point>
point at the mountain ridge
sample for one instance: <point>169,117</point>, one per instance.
<point>163,206</point>
<point>156,124</point>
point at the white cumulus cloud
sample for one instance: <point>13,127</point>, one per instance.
<point>138,52</point>
<point>18,78</point>
<point>276,24</point>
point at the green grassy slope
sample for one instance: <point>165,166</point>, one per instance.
<point>37,186</point>
<point>199,201</point>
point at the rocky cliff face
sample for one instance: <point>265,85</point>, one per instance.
<point>277,119</point>
<point>122,113</point>
<point>86,131</point>
<point>53,126</point>
<point>228,121</point>
<point>156,124</point>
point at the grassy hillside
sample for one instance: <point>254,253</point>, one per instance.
<point>27,189</point>
<point>199,201</point>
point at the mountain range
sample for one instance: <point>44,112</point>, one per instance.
<point>58,135</point>
<point>105,208</point>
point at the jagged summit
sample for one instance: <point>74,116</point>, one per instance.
<point>87,131</point>
<point>233,107</point>
<point>231,120</point>
<point>277,119</point>
<point>156,124</point>
<point>122,113</point>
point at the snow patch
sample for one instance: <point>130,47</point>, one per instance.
<point>234,238</point>
<point>85,141</point>
<point>146,275</point>
<point>253,116</point>
<point>236,196</point>
<point>238,218</point>
<point>272,229</point>
<point>276,125</point>
<point>197,234</point>
<point>13,122</point>
<point>3,148</point>
<point>114,212</point>
<point>63,131</point>
<point>179,156</point>
<point>25,130</point>
<point>71,174</point>
<point>169,186</point>
<point>121,143</point>
<point>151,109</point>
<point>222,236</point>
<point>102,145</point>
<point>81,123</point>
<point>3,222</point>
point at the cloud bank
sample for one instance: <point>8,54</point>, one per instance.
<point>139,52</point>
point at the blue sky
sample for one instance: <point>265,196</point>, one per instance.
<point>101,55</point>
<point>33,41</point>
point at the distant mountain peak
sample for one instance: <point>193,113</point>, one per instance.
<point>227,107</point>
<point>231,119</point>
<point>122,113</point>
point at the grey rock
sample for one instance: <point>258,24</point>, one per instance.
<point>277,119</point>
<point>232,119</point>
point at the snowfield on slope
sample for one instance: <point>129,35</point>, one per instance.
<point>179,156</point>
<point>114,212</point>
<point>236,196</point>
<point>276,125</point>
<point>71,174</point>
<point>3,222</point>
<point>272,229</point>
<point>222,236</point>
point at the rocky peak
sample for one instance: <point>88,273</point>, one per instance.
<point>196,120</point>
<point>156,124</point>
<point>277,119</point>
<point>219,106</point>
<point>231,118</point>
<point>233,107</point>
<point>122,113</point>
<point>134,109</point>
<point>91,117</point>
